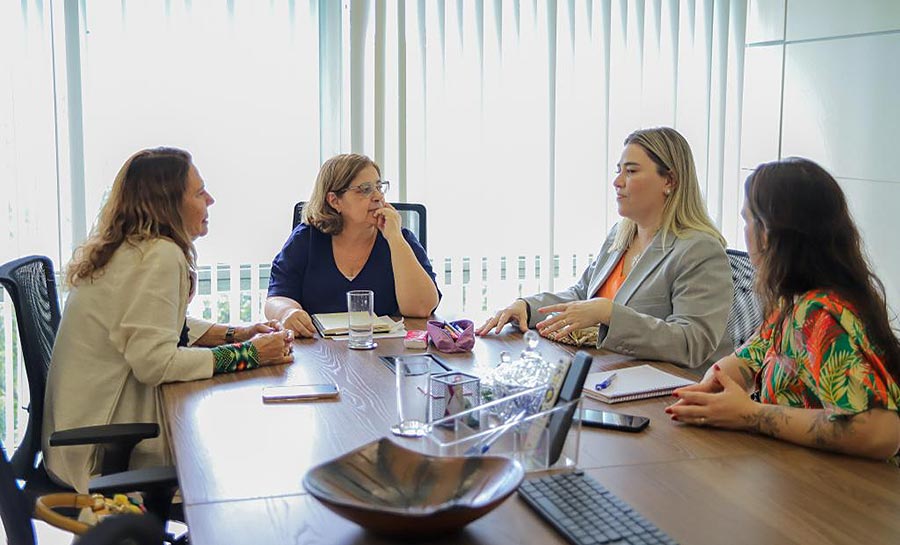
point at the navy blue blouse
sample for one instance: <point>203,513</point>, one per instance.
<point>306,272</point>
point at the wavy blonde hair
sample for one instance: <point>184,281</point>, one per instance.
<point>335,176</point>
<point>684,209</point>
<point>145,203</point>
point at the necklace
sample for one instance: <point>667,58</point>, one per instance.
<point>637,257</point>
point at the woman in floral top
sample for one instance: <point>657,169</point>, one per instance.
<point>825,364</point>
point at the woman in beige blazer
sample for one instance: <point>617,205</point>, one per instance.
<point>660,287</point>
<point>124,332</point>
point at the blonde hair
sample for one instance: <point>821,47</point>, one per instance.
<point>335,176</point>
<point>684,209</point>
<point>145,203</point>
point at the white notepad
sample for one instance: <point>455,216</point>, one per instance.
<point>336,324</point>
<point>633,383</point>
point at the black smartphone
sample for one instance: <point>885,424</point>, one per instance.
<point>613,421</point>
<point>571,389</point>
<point>436,366</point>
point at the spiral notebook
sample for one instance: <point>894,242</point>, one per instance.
<point>633,383</point>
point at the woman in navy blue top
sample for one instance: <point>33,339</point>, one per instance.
<point>350,239</point>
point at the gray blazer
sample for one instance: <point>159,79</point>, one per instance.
<point>673,306</point>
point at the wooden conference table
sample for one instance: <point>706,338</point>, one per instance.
<point>241,463</point>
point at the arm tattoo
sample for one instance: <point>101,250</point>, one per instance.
<point>828,429</point>
<point>767,420</point>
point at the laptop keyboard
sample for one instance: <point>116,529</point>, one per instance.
<point>586,513</point>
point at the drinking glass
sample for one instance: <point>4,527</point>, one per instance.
<point>361,317</point>
<point>413,401</point>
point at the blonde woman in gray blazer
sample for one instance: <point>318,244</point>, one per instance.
<point>674,283</point>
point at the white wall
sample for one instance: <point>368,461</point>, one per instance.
<point>822,81</point>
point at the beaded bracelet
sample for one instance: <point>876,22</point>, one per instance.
<point>235,357</point>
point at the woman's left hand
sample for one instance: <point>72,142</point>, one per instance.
<point>389,222</point>
<point>245,333</point>
<point>574,316</point>
<point>275,347</point>
<point>730,408</point>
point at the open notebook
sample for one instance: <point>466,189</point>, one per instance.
<point>633,383</point>
<point>335,324</point>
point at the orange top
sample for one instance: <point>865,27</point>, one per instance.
<point>614,281</point>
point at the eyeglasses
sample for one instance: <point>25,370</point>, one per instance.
<point>367,188</point>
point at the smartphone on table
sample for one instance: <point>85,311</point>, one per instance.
<point>613,421</point>
<point>299,392</point>
<point>435,365</point>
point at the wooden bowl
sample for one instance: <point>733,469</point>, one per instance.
<point>395,491</point>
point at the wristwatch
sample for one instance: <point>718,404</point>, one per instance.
<point>229,335</point>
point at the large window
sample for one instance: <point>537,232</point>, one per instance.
<point>504,118</point>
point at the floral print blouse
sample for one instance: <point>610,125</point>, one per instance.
<point>825,362</point>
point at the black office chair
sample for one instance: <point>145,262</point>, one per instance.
<point>745,316</point>
<point>31,285</point>
<point>413,216</point>
<point>16,508</point>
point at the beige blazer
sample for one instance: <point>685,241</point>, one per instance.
<point>117,342</point>
<point>673,306</point>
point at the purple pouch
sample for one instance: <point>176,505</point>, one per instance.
<point>444,342</point>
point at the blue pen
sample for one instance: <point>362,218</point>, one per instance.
<point>605,383</point>
<point>485,444</point>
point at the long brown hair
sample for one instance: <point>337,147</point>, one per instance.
<point>684,209</point>
<point>335,176</point>
<point>807,240</point>
<point>144,203</point>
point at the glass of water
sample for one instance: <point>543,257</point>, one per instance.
<point>360,305</point>
<point>413,400</point>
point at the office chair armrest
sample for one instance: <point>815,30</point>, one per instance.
<point>118,441</point>
<point>147,478</point>
<point>109,433</point>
